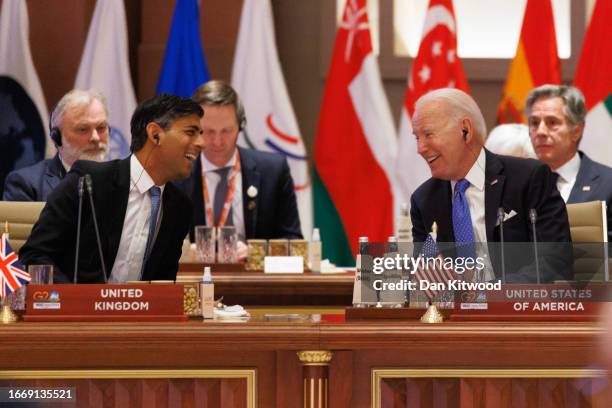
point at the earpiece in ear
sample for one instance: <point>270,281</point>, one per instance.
<point>156,137</point>
<point>56,136</point>
<point>465,135</point>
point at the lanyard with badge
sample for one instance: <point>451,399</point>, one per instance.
<point>228,198</point>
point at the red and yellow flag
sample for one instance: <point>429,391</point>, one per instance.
<point>536,61</point>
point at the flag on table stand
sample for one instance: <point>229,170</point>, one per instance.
<point>431,265</point>
<point>105,67</point>
<point>536,61</point>
<point>258,79</point>
<point>12,272</point>
<point>594,78</point>
<point>437,65</point>
<point>356,143</point>
<point>184,67</point>
<point>24,132</point>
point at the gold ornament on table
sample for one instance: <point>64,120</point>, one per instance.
<point>432,315</point>
<point>6,314</point>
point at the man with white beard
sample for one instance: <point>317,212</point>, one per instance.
<point>79,129</point>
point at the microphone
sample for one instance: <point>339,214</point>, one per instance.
<point>89,185</point>
<point>533,218</point>
<point>500,220</point>
<point>78,236</point>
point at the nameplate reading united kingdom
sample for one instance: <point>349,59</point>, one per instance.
<point>131,302</point>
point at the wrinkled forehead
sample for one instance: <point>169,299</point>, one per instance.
<point>548,105</point>
<point>94,110</point>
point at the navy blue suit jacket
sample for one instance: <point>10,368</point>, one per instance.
<point>53,236</point>
<point>272,213</point>
<point>516,185</point>
<point>34,183</point>
<point>593,182</point>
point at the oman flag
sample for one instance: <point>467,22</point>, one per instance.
<point>594,78</point>
<point>536,61</point>
<point>355,147</point>
<point>436,66</point>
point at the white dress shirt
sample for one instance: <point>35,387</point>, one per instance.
<point>64,164</point>
<point>567,176</point>
<point>475,196</point>
<point>130,255</point>
<point>212,179</point>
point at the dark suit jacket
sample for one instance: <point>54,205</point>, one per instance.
<point>53,237</point>
<point>593,182</point>
<point>514,184</point>
<point>34,183</point>
<point>273,213</point>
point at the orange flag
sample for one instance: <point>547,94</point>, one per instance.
<point>536,61</point>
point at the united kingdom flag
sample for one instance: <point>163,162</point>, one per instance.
<point>12,272</point>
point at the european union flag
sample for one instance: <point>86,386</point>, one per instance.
<point>184,66</point>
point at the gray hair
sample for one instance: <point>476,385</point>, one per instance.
<point>573,101</point>
<point>76,99</point>
<point>220,93</point>
<point>461,105</point>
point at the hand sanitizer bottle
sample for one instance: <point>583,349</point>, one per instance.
<point>314,251</point>
<point>207,294</point>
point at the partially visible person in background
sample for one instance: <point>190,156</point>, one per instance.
<point>511,139</point>
<point>234,186</point>
<point>556,115</point>
<point>79,129</point>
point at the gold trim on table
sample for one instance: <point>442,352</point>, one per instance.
<point>379,374</point>
<point>249,375</point>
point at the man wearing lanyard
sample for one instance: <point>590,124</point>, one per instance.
<point>230,185</point>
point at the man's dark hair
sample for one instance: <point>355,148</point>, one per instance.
<point>162,109</point>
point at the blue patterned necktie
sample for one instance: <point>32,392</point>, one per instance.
<point>462,222</point>
<point>155,193</point>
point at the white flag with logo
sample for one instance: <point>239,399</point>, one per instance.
<point>258,79</point>
<point>105,67</point>
<point>23,110</point>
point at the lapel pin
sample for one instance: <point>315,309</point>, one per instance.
<point>251,205</point>
<point>586,188</point>
<point>494,182</point>
<point>252,191</point>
